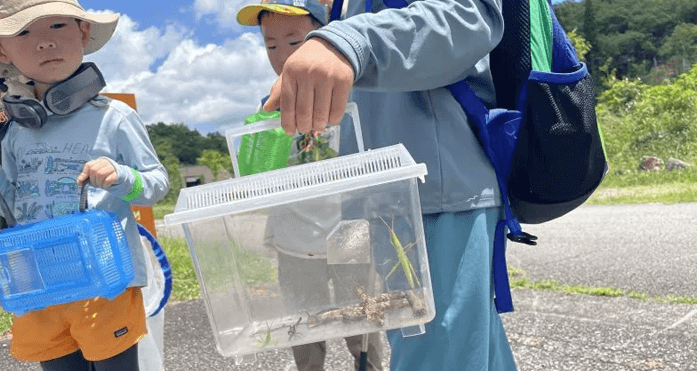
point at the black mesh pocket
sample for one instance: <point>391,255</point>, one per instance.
<point>559,155</point>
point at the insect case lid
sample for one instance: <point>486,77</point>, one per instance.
<point>296,183</point>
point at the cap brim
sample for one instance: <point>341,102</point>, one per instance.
<point>102,26</point>
<point>249,15</point>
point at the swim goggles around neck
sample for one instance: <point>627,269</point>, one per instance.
<point>61,99</point>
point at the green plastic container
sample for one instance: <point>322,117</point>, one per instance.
<point>266,150</point>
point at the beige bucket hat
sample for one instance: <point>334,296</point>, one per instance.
<point>15,15</point>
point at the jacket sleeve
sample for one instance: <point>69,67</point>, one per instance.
<point>142,179</point>
<point>426,45</point>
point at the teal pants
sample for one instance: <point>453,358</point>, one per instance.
<point>467,333</point>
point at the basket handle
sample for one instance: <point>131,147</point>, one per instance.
<point>238,131</point>
<point>83,197</point>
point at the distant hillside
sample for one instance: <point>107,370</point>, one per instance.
<point>651,39</point>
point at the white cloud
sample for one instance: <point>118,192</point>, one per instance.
<point>224,11</point>
<point>211,84</point>
<point>131,50</point>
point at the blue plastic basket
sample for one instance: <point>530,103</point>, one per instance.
<point>64,259</point>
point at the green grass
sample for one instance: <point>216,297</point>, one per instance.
<point>626,185</point>
<point>519,280</point>
<point>252,268</point>
<point>162,208</point>
<point>641,194</point>
<point>184,281</point>
<point>5,322</point>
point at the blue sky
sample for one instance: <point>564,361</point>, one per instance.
<point>187,61</point>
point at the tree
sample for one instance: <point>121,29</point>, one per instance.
<point>590,32</point>
<point>682,43</point>
<point>189,144</point>
<point>580,44</point>
<point>215,161</point>
<point>216,141</point>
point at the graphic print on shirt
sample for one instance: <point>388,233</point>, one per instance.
<point>27,189</point>
<point>27,212</point>
<point>55,167</point>
<point>60,208</point>
<point>62,186</point>
<point>28,167</point>
<point>59,165</point>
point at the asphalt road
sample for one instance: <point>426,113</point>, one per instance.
<point>644,248</point>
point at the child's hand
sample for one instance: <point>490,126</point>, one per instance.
<point>100,173</point>
<point>313,88</point>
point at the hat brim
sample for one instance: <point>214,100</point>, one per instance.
<point>102,26</point>
<point>249,15</point>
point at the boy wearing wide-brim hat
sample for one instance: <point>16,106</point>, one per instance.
<point>59,136</point>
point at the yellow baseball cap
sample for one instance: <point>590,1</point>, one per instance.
<point>249,15</point>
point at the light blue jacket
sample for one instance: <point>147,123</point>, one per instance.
<point>40,167</point>
<point>402,58</point>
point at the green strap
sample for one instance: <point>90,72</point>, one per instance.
<point>541,36</point>
<point>137,188</point>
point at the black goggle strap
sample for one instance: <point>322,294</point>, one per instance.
<point>70,94</point>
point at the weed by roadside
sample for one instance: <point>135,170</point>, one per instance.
<point>642,194</point>
<point>519,280</point>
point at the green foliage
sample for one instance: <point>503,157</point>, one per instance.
<point>589,26</point>
<point>639,37</point>
<point>682,42</point>
<point>189,143</point>
<point>621,95</point>
<point>5,322</point>
<point>217,142</point>
<point>215,161</point>
<point>581,45</point>
<point>643,120</point>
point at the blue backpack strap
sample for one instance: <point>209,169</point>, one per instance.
<point>335,13</point>
<point>479,115</point>
<point>164,263</point>
<point>564,55</point>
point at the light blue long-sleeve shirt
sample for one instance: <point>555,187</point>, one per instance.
<point>40,167</point>
<point>402,59</point>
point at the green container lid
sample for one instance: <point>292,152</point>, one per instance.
<point>264,151</point>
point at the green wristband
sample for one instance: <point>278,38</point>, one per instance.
<point>137,188</point>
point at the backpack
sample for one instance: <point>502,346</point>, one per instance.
<point>543,138</point>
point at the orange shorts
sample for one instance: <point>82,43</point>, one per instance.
<point>101,328</point>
